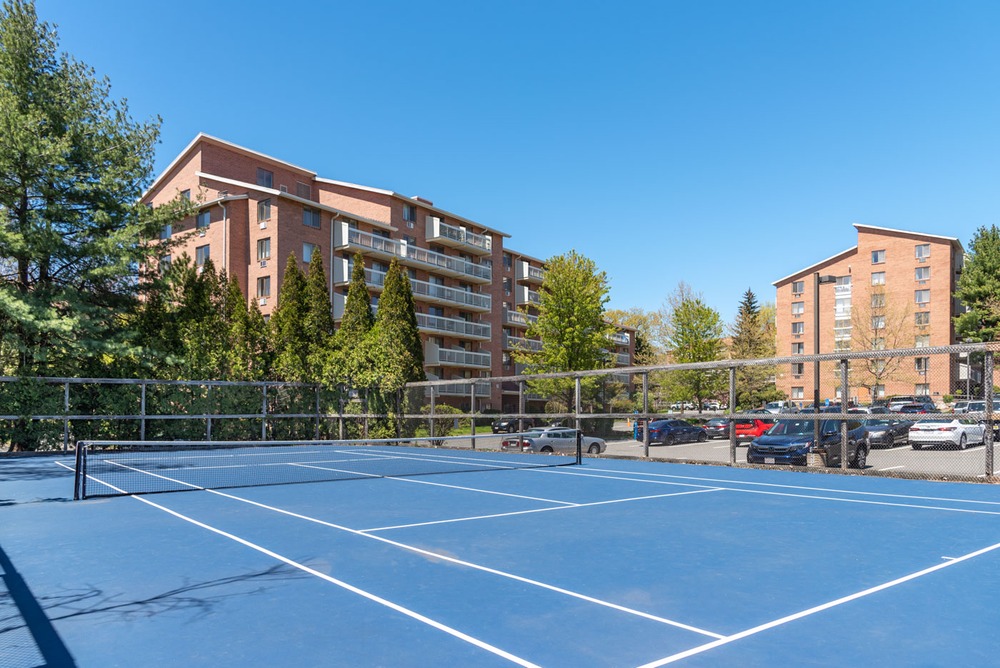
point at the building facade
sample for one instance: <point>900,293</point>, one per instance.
<point>892,290</point>
<point>474,297</point>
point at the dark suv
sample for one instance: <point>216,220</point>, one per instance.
<point>791,441</point>
<point>508,425</point>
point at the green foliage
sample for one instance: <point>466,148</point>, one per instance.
<point>72,230</point>
<point>979,288</point>
<point>352,359</point>
<point>753,338</point>
<point>288,335</point>
<point>318,318</point>
<point>693,333</point>
<point>399,352</point>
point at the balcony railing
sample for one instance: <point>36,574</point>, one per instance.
<point>459,237</point>
<point>347,237</point>
<point>623,359</point>
<point>482,390</point>
<point>520,342</point>
<point>435,355</point>
<point>526,296</point>
<point>620,338</point>
<point>454,326</point>
<point>517,318</point>
<point>529,274</point>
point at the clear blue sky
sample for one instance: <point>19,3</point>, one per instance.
<point>723,144</point>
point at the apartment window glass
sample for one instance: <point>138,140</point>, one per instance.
<point>264,286</point>
<point>307,252</point>
<point>923,273</point>
<point>264,210</point>
<point>265,178</point>
<point>164,264</point>
<point>798,308</point>
<point>186,194</point>
<point>798,368</point>
<point>878,256</point>
<point>878,391</point>
<point>922,318</point>
<point>204,218</point>
<point>436,311</point>
<point>507,286</point>
<point>798,327</point>
<point>841,346</point>
<point>798,393</point>
<point>922,296</point>
<point>878,300</point>
<point>264,249</point>
<point>878,322</point>
<point>922,389</point>
<point>921,364</point>
<point>310,217</point>
<point>508,261</point>
<point>201,255</point>
<point>798,349</point>
<point>922,341</point>
<point>409,213</point>
<point>798,287</point>
<point>167,230</point>
<point>878,278</point>
<point>923,251</point>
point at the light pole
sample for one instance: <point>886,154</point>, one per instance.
<point>818,281</point>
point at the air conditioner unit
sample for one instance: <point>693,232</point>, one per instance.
<point>283,188</point>
<point>263,224</point>
<point>262,301</point>
<point>263,263</point>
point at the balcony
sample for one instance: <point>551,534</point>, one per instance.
<point>434,355</point>
<point>457,237</point>
<point>510,342</point>
<point>348,238</point>
<point>619,338</point>
<point>623,359</point>
<point>528,274</point>
<point>458,390</point>
<point>423,291</point>
<point>522,295</point>
<point>511,317</point>
<point>433,324</point>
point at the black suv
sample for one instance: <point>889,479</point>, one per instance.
<point>791,441</point>
<point>508,425</point>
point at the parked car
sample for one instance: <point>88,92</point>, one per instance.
<point>717,428</point>
<point>747,430</point>
<point>669,432</point>
<point>893,403</point>
<point>508,425</point>
<point>954,432</point>
<point>887,432</point>
<point>552,440</point>
<point>711,406</point>
<point>791,441</point>
<point>917,408</point>
<point>870,410</point>
<point>961,406</point>
<point>780,407</point>
<point>980,407</point>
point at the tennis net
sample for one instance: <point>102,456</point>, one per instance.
<point>118,468</point>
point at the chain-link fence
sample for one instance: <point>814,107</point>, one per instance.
<point>921,412</point>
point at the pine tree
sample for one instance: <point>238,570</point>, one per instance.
<point>290,345</point>
<point>752,339</point>
<point>318,324</point>
<point>352,359</point>
<point>397,337</point>
<point>979,288</point>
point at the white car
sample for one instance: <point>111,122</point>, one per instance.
<point>956,432</point>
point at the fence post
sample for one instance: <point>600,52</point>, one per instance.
<point>578,403</point>
<point>66,417</point>
<point>317,413</point>
<point>340,409</point>
<point>472,411</point>
<point>844,454</point>
<point>990,417</point>
<point>520,405</point>
<point>430,425</point>
<point>142,411</point>
<point>732,409</point>
<point>645,414</point>
<point>208,414</point>
<point>263,413</point>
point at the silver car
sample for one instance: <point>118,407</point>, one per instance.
<point>552,440</point>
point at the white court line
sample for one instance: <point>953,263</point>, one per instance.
<point>819,608</point>
<point>433,555</point>
<point>340,583</point>
<point>891,468</point>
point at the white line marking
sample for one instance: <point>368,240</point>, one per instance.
<point>892,468</point>
<point>811,611</point>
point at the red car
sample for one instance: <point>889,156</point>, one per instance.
<point>747,430</point>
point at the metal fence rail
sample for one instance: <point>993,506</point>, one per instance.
<point>51,414</point>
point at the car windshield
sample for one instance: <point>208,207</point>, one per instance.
<point>791,428</point>
<point>718,421</point>
<point>878,423</point>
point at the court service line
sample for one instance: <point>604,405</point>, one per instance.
<point>819,608</point>
<point>534,510</point>
<point>344,585</point>
<point>417,550</point>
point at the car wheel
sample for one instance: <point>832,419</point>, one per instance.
<point>702,437</point>
<point>547,449</point>
<point>668,439</point>
<point>860,456</point>
<point>963,442</point>
<point>595,449</point>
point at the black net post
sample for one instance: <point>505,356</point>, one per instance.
<point>80,472</point>
<point>732,409</point>
<point>579,447</point>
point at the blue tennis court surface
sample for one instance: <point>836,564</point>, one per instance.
<point>610,563</point>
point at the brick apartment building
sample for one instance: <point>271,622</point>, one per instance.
<point>893,290</point>
<point>474,297</point>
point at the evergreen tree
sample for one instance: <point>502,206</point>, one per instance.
<point>351,361</point>
<point>397,338</point>
<point>72,230</point>
<point>291,347</point>
<point>318,323</point>
<point>751,338</point>
<point>205,348</point>
<point>979,288</point>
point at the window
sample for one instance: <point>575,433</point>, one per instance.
<point>922,318</point>
<point>409,214</point>
<point>436,311</point>
<point>922,389</point>
<point>264,210</point>
<point>841,346</point>
<point>878,300</point>
<point>798,368</point>
<point>923,273</point>
<point>508,261</point>
<point>798,393</point>
<point>265,178</point>
<point>164,264</point>
<point>878,278</point>
<point>203,220</point>
<point>186,194</point>
<point>798,349</point>
<point>878,256</point>
<point>798,327</point>
<point>878,322</point>
<point>798,308</point>
<point>923,251</point>
<point>303,190</point>
<point>922,341</point>
<point>507,286</point>
<point>410,239</point>
<point>310,217</point>
<point>264,249</point>
<point>878,391</point>
<point>922,296</point>
<point>264,286</point>
<point>921,364</point>
<point>201,255</point>
<point>798,287</point>
<point>307,252</point>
